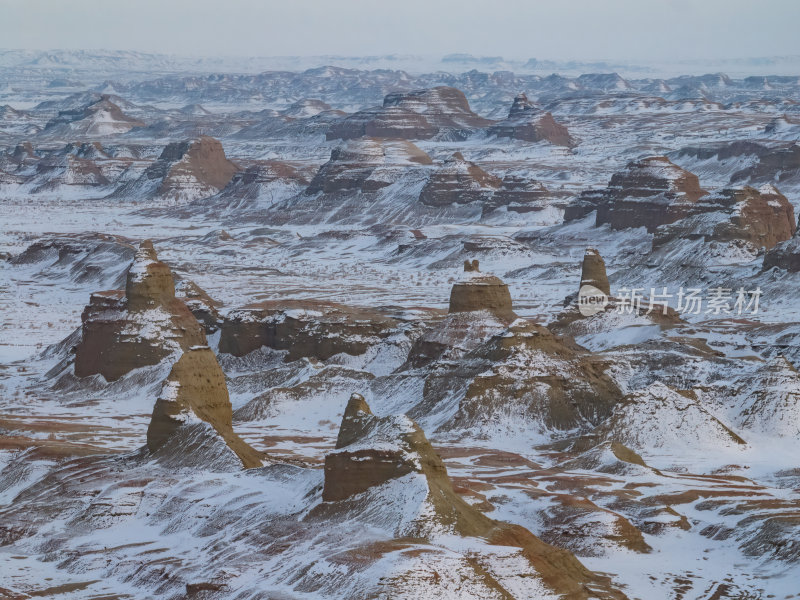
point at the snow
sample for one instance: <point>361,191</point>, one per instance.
<point>126,520</point>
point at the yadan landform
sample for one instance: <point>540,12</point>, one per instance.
<point>473,330</point>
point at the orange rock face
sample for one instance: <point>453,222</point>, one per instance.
<point>648,193</point>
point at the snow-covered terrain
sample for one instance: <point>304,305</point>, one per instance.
<point>313,225</point>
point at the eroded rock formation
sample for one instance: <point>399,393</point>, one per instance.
<point>649,192</point>
<point>366,165</point>
<point>459,181</point>
<point>531,124</point>
<point>778,164</point>
<point>762,218</point>
<point>99,118</point>
<point>122,331</point>
<point>417,115</point>
<point>478,291</point>
<point>785,255</point>
<point>519,194</point>
<point>304,329</point>
<point>372,451</point>
<point>593,271</point>
<point>193,396</point>
<point>185,171</point>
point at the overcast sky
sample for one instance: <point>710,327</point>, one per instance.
<point>555,29</point>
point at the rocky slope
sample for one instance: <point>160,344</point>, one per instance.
<point>654,445</point>
<point>97,119</point>
<point>458,181</point>
<point>761,218</point>
<point>366,165</point>
<point>372,451</point>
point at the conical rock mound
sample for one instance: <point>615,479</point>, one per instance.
<point>660,418</point>
<point>531,124</point>
<point>374,451</point>
<point>527,375</point>
<point>149,281</point>
<point>195,393</point>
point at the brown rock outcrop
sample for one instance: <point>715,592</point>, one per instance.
<point>102,117</point>
<point>593,271</point>
<point>506,370</point>
<point>762,218</point>
<point>261,179</point>
<point>785,255</point>
<point>372,451</point>
<point>304,328</point>
<point>149,281</point>
<point>459,181</point>
<point>527,371</point>
<point>366,165</point>
<point>649,192</point>
<point>186,170</point>
<point>196,389</point>
<point>518,194</point>
<point>778,164</point>
<point>417,115</point>
<point>480,291</point>
<point>122,331</point>
<point>531,124</point>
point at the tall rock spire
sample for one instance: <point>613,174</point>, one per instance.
<point>593,271</point>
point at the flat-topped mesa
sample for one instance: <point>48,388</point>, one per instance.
<point>478,291</point>
<point>366,165</point>
<point>149,282</point>
<point>195,394</point>
<point>593,271</point>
